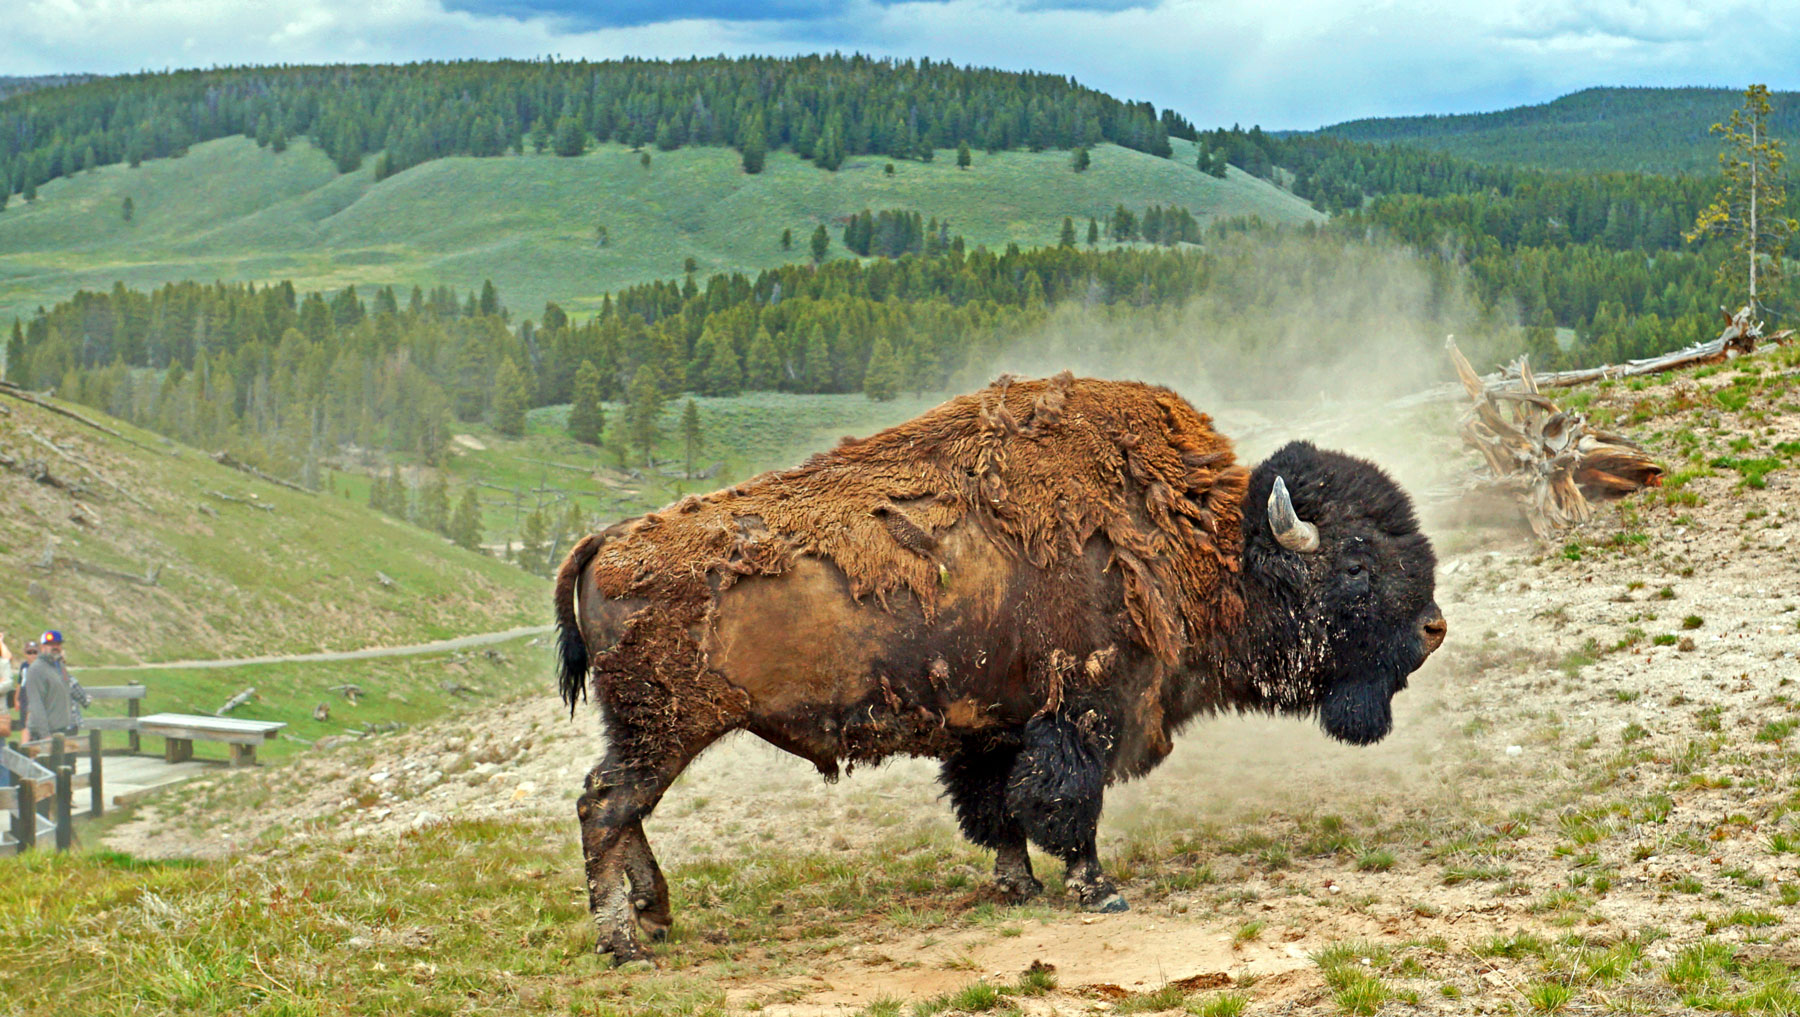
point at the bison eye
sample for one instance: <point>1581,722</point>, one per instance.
<point>1354,569</point>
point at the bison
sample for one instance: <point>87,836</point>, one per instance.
<point>1037,584</point>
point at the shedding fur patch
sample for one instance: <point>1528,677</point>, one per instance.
<point>1042,466</point>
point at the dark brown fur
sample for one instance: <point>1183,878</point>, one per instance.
<point>1042,571</point>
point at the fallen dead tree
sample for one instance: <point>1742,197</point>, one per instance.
<point>52,561</point>
<point>1553,461</point>
<point>7,388</point>
<point>1742,337</point>
<point>227,459</point>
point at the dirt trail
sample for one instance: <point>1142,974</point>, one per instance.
<point>1598,751</point>
<point>414,650</point>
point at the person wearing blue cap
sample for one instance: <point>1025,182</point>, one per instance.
<point>53,699</point>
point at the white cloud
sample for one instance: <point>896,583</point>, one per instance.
<point>1292,63</point>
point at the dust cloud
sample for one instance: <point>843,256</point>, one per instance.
<point>1308,336</point>
<point>1297,335</point>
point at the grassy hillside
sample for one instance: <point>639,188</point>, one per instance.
<point>1651,130</point>
<point>742,435</point>
<point>230,210</point>
<point>234,579</point>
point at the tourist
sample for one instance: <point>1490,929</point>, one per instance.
<point>53,699</point>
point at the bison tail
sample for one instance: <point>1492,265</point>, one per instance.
<point>571,647</point>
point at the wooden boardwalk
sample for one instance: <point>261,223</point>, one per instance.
<point>125,780</point>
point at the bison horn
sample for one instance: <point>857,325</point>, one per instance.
<point>1290,530</point>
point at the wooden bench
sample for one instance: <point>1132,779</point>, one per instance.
<point>181,730</point>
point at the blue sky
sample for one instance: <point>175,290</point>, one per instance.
<point>1280,63</point>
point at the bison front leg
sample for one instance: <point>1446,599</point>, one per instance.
<point>975,779</point>
<point>1055,789</point>
<point>613,846</point>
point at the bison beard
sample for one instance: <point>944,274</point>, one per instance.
<point>1038,584</point>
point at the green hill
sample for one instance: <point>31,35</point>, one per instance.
<point>1648,130</point>
<point>233,211</point>
<point>242,567</point>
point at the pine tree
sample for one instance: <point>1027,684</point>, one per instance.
<point>571,137</point>
<point>787,239</point>
<point>465,525</point>
<point>278,141</point>
<point>963,158</point>
<point>1093,236</point>
<point>534,542</point>
<point>690,435</point>
<point>540,136</point>
<point>724,376</point>
<point>754,145</point>
<point>1079,161</point>
<point>644,161</point>
<point>881,381</point>
<point>127,209</point>
<point>15,357</point>
<point>762,369</point>
<point>1067,237</point>
<point>587,418</point>
<point>821,242</point>
<point>434,505</point>
<point>1749,208</point>
<point>643,411</point>
<point>510,399</point>
<point>816,374</point>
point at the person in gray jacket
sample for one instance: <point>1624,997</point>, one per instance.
<point>53,698</point>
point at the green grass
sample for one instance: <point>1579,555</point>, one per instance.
<point>468,916</point>
<point>304,577</point>
<point>232,211</point>
<point>743,435</point>
<point>403,691</point>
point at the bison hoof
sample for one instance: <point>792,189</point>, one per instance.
<point>1018,889</point>
<point>624,950</point>
<point>1110,906</point>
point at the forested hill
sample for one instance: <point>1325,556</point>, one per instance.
<point>823,107</point>
<point>11,86</point>
<point>1646,130</point>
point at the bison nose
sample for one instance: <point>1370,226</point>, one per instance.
<point>1432,630</point>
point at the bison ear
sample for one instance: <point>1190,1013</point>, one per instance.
<point>1290,530</point>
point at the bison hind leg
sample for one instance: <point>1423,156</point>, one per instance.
<point>975,779</point>
<point>1055,788</point>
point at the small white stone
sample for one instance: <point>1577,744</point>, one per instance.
<point>378,776</point>
<point>1515,750</point>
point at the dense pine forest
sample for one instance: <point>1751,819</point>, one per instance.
<point>287,379</point>
<point>823,107</point>
<point>1599,253</point>
<point>1651,130</point>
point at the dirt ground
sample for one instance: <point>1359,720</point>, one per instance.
<point>1597,762</point>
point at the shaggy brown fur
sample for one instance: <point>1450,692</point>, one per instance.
<point>1001,557</point>
<point>1039,466</point>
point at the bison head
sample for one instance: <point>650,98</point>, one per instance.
<point>1339,585</point>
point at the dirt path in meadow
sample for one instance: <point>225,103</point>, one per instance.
<point>369,653</point>
<point>1598,750</point>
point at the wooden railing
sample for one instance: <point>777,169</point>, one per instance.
<point>33,782</point>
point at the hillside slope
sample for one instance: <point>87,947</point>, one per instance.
<point>1649,130</point>
<point>230,210</point>
<point>302,573</point>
